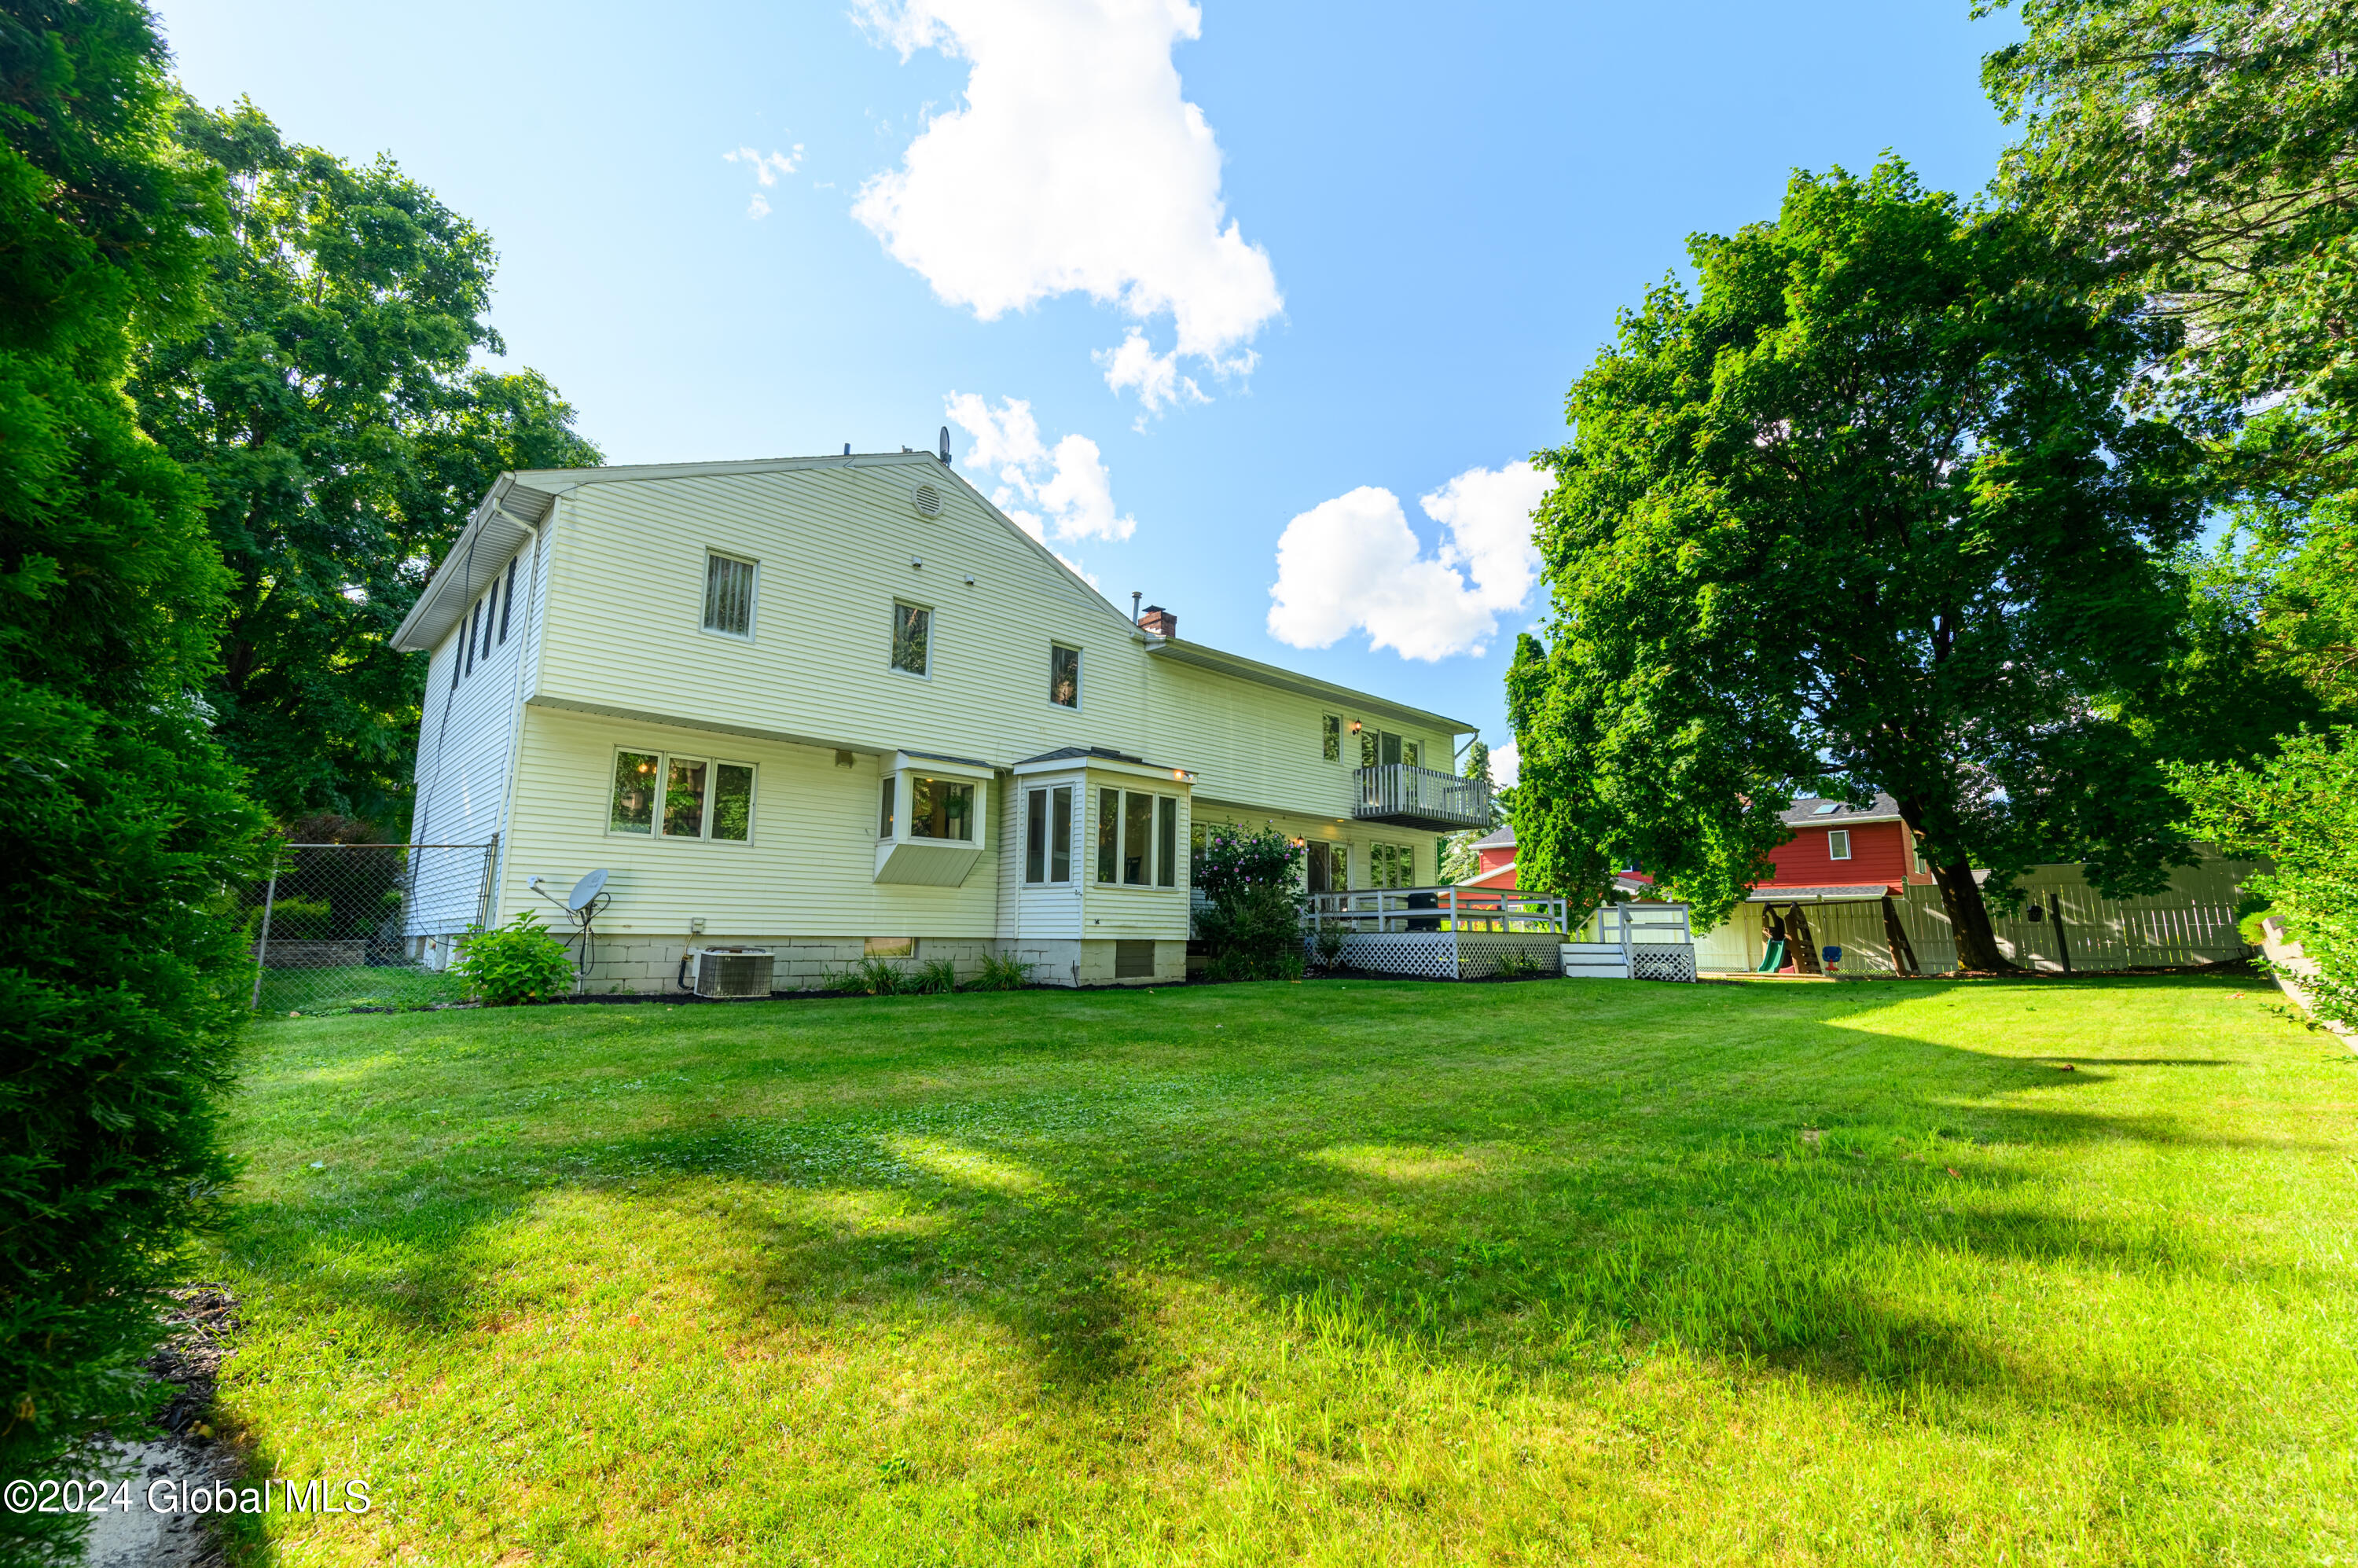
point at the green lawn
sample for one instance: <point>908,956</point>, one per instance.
<point>1338,1272</point>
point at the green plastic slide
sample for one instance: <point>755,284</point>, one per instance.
<point>1772,960</point>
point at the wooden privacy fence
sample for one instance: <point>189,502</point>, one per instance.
<point>2074,928</point>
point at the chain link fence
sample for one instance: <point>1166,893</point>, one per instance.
<point>339,927</point>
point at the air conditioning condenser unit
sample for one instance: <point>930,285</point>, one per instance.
<point>732,971</point>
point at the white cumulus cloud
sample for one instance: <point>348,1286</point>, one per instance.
<point>1353,563</point>
<point>766,168</point>
<point>1061,491</point>
<point>1505,763</point>
<point>1074,166</point>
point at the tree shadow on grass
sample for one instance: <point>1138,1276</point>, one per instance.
<point>1504,1204</point>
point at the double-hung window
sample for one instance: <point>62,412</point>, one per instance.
<point>729,584</point>
<point>1048,835</point>
<point>660,795</point>
<point>1063,675</point>
<point>913,637</point>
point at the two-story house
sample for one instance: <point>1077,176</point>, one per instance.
<point>841,706</point>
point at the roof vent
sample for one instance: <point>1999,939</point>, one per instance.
<point>927,500</point>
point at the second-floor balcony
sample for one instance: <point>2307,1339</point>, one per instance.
<point>1405,796</point>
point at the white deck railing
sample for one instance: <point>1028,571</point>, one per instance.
<point>1378,911</point>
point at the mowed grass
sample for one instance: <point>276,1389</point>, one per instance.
<point>1565,1271</point>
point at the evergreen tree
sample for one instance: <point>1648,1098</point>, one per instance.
<point>121,985</point>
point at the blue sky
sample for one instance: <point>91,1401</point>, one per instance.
<point>1215,298</point>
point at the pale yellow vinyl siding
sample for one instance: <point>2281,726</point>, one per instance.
<point>807,870</point>
<point>624,618</point>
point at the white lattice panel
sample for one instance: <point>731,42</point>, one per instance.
<point>1478,951</point>
<point>1427,955</point>
<point>1662,961</point>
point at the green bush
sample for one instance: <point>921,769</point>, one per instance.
<point>123,974</point>
<point>1330,947</point>
<point>999,973</point>
<point>293,920</point>
<point>1253,924</point>
<point>520,962</point>
<point>2299,810</point>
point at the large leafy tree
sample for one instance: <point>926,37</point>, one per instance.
<point>120,986</point>
<point>2205,152</point>
<point>330,403</point>
<point>1866,512</point>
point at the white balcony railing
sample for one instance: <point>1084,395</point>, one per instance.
<point>1421,797</point>
<point>1371,912</point>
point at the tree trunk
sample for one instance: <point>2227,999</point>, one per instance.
<point>1969,920</point>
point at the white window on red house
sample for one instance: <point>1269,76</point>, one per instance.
<point>1838,844</point>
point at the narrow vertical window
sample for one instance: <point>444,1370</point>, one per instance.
<point>1064,676</point>
<point>636,778</point>
<point>507,602</point>
<point>474,624</point>
<point>1338,868</point>
<point>1035,837</point>
<point>490,616</point>
<point>729,596</point>
<point>1366,748</point>
<point>1137,838</point>
<point>1060,835</point>
<point>1412,754</point>
<point>912,629</point>
<point>732,801</point>
<point>683,806</point>
<point>1166,841</point>
<point>1109,832</point>
<point>884,811</point>
<point>458,662</point>
<point>1314,868</point>
<point>1330,742</point>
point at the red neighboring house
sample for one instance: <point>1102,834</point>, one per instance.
<point>1838,854</point>
<point>1863,852</point>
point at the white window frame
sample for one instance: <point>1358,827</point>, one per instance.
<point>1080,674</point>
<point>933,639</point>
<point>753,600</point>
<point>1046,795</point>
<point>713,763</point>
<point>1838,844</point>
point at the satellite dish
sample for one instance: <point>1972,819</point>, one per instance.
<point>585,890</point>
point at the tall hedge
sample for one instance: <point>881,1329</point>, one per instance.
<point>120,983</point>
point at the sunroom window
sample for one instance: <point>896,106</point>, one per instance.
<point>1048,835</point>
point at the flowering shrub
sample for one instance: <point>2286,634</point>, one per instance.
<point>1253,928</point>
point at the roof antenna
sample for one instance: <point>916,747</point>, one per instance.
<point>945,443</point>
<point>1134,597</point>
